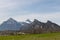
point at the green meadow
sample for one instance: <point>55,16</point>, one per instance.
<point>47,36</point>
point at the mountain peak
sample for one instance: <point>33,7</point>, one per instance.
<point>49,21</point>
<point>28,21</point>
<point>11,21</point>
<point>35,20</point>
<point>10,24</point>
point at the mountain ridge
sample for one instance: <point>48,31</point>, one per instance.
<point>33,27</point>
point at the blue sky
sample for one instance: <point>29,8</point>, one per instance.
<point>21,10</point>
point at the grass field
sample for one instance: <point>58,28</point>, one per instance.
<point>49,36</point>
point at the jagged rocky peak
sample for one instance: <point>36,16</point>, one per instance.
<point>49,21</point>
<point>28,21</point>
<point>36,21</point>
<point>11,21</point>
<point>10,24</point>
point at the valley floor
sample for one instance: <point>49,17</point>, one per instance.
<point>49,36</point>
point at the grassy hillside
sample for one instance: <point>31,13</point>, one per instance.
<point>49,36</point>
